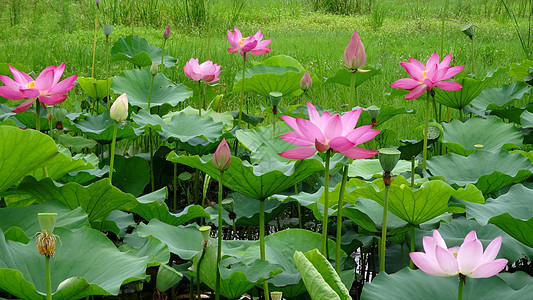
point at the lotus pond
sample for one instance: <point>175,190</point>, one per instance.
<point>130,169</point>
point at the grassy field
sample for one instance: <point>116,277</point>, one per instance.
<point>41,33</point>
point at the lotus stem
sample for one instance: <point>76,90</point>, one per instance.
<point>473,62</point>
<point>339,220</point>
<point>383,240</point>
<point>444,10</point>
<point>262,241</point>
<point>94,45</point>
<point>274,112</point>
<point>326,205</point>
<point>411,265</point>
<point>461,283</point>
<point>199,282</point>
<point>424,151</point>
<point>413,171</point>
<point>150,144</point>
<point>353,91</point>
<point>219,253</point>
<point>175,180</point>
<point>204,96</point>
<point>38,115</point>
<point>112,157</point>
<point>242,89</point>
<point>199,98</point>
<point>107,69</point>
<point>163,52</point>
<point>299,207</point>
<point>48,277</point>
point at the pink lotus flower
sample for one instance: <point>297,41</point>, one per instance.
<point>321,133</point>
<point>354,54</point>
<point>166,32</point>
<point>222,157</point>
<point>306,82</point>
<point>468,259</point>
<point>46,87</point>
<point>207,71</point>
<point>424,78</point>
<point>252,44</point>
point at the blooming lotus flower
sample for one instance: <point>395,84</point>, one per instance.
<point>119,109</point>
<point>324,132</point>
<point>467,260</point>
<point>46,87</point>
<point>252,44</point>
<point>207,71</point>
<point>222,157</point>
<point>306,82</point>
<point>354,54</point>
<point>424,78</point>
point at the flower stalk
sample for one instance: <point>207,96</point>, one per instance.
<point>462,279</point>
<point>262,241</point>
<point>150,142</point>
<point>219,252</point>
<point>326,205</point>
<point>339,220</point>
<point>426,125</point>
<point>112,155</point>
<point>242,90</point>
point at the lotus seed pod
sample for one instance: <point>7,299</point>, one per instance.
<point>468,29</point>
<point>60,114</point>
<point>388,158</point>
<point>47,221</point>
<point>46,240</point>
<point>478,146</point>
<point>275,98</point>
<point>205,230</point>
<point>167,277</point>
<point>276,295</point>
<point>228,204</point>
<point>107,29</point>
<point>373,111</point>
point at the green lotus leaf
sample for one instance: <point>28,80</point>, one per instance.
<point>148,246</point>
<point>320,278</point>
<point>136,83</point>
<point>280,248</point>
<point>27,118</point>
<point>489,171</point>
<point>16,234</point>
<point>455,231</point>
<point>492,133</point>
<point>25,218</point>
<point>263,79</point>
<point>131,174</point>
<point>118,222</point>
<point>250,119</point>
<point>76,143</point>
<point>517,202</point>
<point>226,118</point>
<point>526,119</point>
<point>259,181</point>
<point>310,200</point>
<point>183,127</point>
<point>369,168</point>
<point>26,152</point>
<point>385,113</point>
<point>512,114</point>
<point>100,128</point>
<point>84,176</point>
<point>153,206</point>
<point>500,98</point>
<point>85,263</point>
<point>247,210</point>
<point>261,144</point>
<point>235,278</point>
<point>471,89</point>
<point>521,230</point>
<point>96,89</point>
<point>344,76</point>
<point>368,214</point>
<point>521,70</point>
<point>417,285</point>
<point>139,52</point>
<point>283,61</point>
<point>146,120</point>
<point>98,199</point>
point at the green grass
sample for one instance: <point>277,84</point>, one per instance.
<point>52,31</point>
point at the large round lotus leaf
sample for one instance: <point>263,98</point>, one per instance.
<point>235,278</point>
<point>247,210</point>
<point>139,52</point>
<point>471,89</point>
<point>100,128</point>
<point>136,84</point>
<point>414,205</point>
<point>344,76</point>
<point>492,133</point>
<point>369,168</point>
<point>153,206</point>
<point>368,215</point>
<point>518,202</point>
<point>183,127</point>
<point>489,171</point>
<point>500,98</point>
<point>279,249</point>
<point>417,285</point>
<point>259,181</point>
<point>98,199</point>
<point>96,89</point>
<point>521,70</point>
<point>455,231</point>
<point>261,143</point>
<point>521,230</point>
<point>25,152</point>
<point>131,174</point>
<point>385,113</point>
<point>26,217</point>
<point>526,119</point>
<point>86,263</point>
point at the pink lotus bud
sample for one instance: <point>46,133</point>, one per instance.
<point>306,82</point>
<point>119,109</point>
<point>354,54</point>
<point>166,33</point>
<point>222,157</point>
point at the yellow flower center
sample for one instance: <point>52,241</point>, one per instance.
<point>241,42</point>
<point>424,73</point>
<point>31,85</point>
